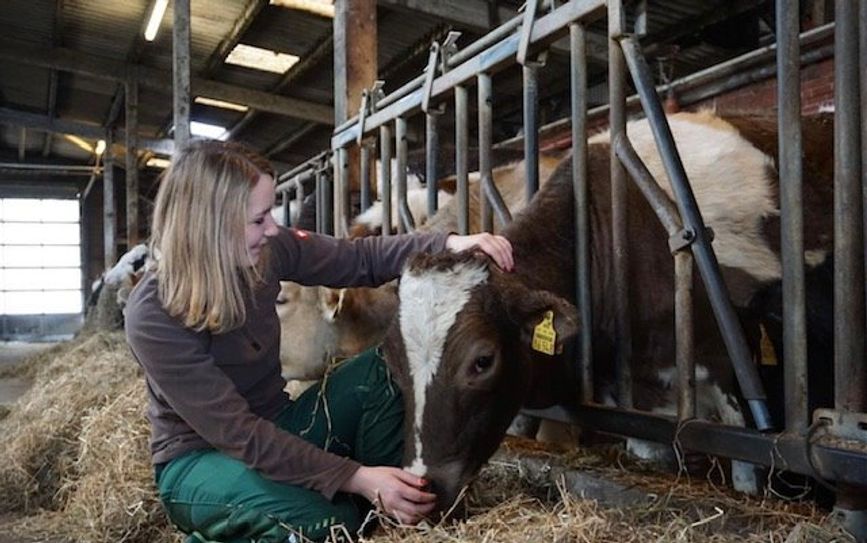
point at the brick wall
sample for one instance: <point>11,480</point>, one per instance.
<point>817,91</point>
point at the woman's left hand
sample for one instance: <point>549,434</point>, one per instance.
<point>497,247</point>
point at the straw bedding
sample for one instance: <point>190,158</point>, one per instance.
<point>74,467</point>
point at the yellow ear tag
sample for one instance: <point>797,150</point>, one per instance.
<point>544,336</point>
<point>769,356</point>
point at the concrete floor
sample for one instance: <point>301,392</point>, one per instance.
<point>11,354</point>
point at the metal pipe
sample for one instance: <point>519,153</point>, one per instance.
<point>733,334</point>
<point>343,210</point>
<point>684,335</point>
<point>327,202</point>
<point>76,168</point>
<point>385,174</point>
<point>849,370</point>
<point>181,71</point>
<point>792,215</point>
<point>531,128</point>
<point>365,176</point>
<point>432,149</point>
<point>287,210</point>
<point>320,202</point>
<point>619,239</point>
<point>485,109</point>
<point>294,181</point>
<point>462,143</point>
<point>659,201</point>
<point>109,209</point>
<point>830,460</point>
<point>405,221</point>
<point>578,95</point>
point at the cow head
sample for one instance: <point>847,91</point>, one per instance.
<point>461,352</point>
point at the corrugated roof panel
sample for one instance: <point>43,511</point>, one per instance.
<point>27,20</point>
<point>24,87</point>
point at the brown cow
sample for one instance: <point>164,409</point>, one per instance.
<point>461,348</point>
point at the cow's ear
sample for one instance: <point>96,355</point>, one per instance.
<point>331,302</point>
<point>547,321</point>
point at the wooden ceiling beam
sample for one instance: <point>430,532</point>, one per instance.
<point>63,59</point>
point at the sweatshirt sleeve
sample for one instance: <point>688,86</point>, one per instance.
<point>185,376</point>
<point>314,259</point>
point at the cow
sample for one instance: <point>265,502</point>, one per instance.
<point>320,324</point>
<point>472,344</point>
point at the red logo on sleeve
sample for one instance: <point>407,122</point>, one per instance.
<point>301,234</point>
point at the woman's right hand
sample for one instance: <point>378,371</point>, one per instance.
<point>398,492</point>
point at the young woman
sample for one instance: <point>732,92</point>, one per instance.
<point>235,459</point>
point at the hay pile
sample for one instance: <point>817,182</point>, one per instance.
<point>508,503</point>
<point>74,466</point>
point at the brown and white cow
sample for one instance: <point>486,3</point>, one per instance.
<point>461,347</point>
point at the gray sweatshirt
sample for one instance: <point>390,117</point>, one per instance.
<point>223,391</point>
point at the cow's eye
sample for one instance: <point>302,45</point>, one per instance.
<point>483,363</point>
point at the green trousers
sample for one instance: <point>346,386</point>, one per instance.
<point>216,498</point>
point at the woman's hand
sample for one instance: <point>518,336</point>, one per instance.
<point>497,247</point>
<point>398,492</point>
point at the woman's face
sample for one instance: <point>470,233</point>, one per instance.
<point>260,224</point>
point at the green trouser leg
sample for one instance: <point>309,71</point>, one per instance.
<point>218,498</point>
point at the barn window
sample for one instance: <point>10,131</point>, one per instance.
<point>40,259</point>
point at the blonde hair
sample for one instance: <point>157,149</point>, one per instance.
<point>197,235</point>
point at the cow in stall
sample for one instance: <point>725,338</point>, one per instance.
<point>472,344</point>
<point>320,324</point>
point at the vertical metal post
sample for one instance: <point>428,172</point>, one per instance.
<point>109,212</point>
<point>531,128</point>
<point>462,143</point>
<point>485,136</point>
<point>131,156</point>
<point>792,221</point>
<point>181,71</point>
<point>432,149</point>
<point>385,175</point>
<point>400,139</point>
<point>578,81</point>
<point>365,176</point>
<point>617,125</point>
<point>849,370</point>
<point>343,205</point>
<point>327,200</point>
<point>320,202</point>
<point>684,335</point>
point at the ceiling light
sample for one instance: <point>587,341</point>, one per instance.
<point>157,162</point>
<point>261,59</point>
<point>100,147</point>
<point>323,8</point>
<point>79,142</point>
<point>220,103</point>
<point>210,131</point>
<point>159,9</point>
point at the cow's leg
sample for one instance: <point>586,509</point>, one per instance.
<point>746,476</point>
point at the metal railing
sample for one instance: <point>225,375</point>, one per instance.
<point>452,72</point>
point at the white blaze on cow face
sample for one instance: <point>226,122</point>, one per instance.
<point>430,301</point>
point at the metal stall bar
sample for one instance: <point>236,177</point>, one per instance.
<point>385,176</point>
<point>325,188</point>
<point>810,455</point>
<point>668,215</point>
<point>730,328</point>
<point>545,30</point>
<point>620,259</point>
<point>320,201</point>
<point>365,176</point>
<point>490,196</point>
<point>342,205</point>
<point>530,72</point>
<point>850,389</point>
<point>462,143</point>
<point>405,222</point>
<point>792,219</point>
<point>485,141</point>
<point>578,83</point>
<point>432,149</point>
